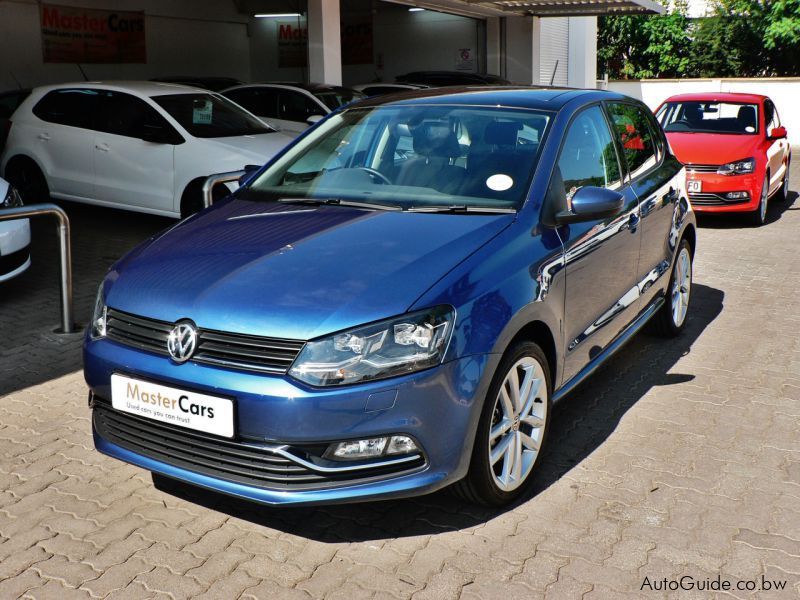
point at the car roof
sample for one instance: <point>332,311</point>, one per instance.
<point>308,87</point>
<point>144,88</point>
<point>717,97</point>
<point>544,98</point>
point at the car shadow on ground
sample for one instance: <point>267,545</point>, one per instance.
<point>775,210</point>
<point>581,423</point>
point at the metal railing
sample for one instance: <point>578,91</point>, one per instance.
<point>35,210</point>
<point>212,180</point>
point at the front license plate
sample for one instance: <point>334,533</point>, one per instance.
<point>694,186</point>
<point>210,414</point>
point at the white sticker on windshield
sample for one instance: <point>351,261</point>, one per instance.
<point>499,182</point>
<point>750,129</point>
<point>202,112</point>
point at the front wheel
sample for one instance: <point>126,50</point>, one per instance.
<point>512,429</point>
<point>759,216</point>
<point>783,194</point>
<point>671,319</point>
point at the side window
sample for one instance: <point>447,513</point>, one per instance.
<point>634,134</point>
<point>588,157</point>
<point>123,114</point>
<point>295,106</point>
<point>73,107</point>
<point>262,102</point>
<point>771,116</point>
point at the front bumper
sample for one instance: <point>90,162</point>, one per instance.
<point>712,198</point>
<point>438,407</point>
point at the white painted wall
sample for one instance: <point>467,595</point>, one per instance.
<point>784,92</point>
<point>184,37</point>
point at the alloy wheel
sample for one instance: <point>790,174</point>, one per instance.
<point>518,424</point>
<point>762,207</point>
<point>681,287</point>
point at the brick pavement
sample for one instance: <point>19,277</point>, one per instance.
<point>678,458</point>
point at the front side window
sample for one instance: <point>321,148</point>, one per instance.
<point>709,117</point>
<point>771,116</point>
<point>262,102</point>
<point>73,107</point>
<point>635,136</point>
<point>588,157</point>
<point>338,97</point>
<point>296,106</point>
<point>413,157</point>
<point>210,115</point>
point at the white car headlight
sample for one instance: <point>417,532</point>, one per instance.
<point>397,346</point>
<point>739,167</point>
<point>12,199</point>
<point>98,325</point>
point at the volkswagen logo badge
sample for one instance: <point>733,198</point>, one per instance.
<point>182,342</point>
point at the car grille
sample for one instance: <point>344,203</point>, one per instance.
<point>247,462</point>
<point>238,351</point>
<point>702,168</point>
<point>708,199</point>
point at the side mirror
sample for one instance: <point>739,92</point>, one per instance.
<point>161,135</point>
<point>779,133</point>
<point>314,119</point>
<point>592,203</point>
<point>248,171</point>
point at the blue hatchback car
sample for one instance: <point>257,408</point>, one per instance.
<point>393,303</point>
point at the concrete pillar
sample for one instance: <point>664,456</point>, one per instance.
<point>522,56</point>
<point>324,42</point>
<point>582,72</point>
<point>493,45</point>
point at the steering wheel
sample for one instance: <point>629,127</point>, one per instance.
<point>376,174</point>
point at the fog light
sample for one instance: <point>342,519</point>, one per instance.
<point>737,196</point>
<point>372,448</point>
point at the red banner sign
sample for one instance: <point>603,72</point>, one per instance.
<point>86,35</point>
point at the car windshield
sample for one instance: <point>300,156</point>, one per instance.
<point>333,99</point>
<point>413,157</point>
<point>210,115</point>
<point>709,117</point>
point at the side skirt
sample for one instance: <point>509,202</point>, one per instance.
<point>618,342</point>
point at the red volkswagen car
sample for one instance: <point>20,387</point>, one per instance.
<point>734,148</point>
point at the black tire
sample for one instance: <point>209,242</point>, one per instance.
<point>663,323</point>
<point>192,199</point>
<point>27,177</point>
<point>479,485</point>
<point>759,216</point>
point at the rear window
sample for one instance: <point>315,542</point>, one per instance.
<point>73,107</point>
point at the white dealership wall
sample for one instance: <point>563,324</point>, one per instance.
<point>403,41</point>
<point>783,91</point>
<point>184,37</point>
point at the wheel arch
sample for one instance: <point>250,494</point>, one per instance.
<point>539,333</point>
<point>22,157</point>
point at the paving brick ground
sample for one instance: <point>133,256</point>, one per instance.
<point>678,459</point>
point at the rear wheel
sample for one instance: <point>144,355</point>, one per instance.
<point>512,429</point>
<point>27,177</point>
<point>671,319</point>
<point>759,216</point>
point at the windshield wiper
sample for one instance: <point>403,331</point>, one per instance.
<point>463,208</point>
<point>337,202</point>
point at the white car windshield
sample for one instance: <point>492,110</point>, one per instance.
<point>709,117</point>
<point>413,157</point>
<point>210,115</point>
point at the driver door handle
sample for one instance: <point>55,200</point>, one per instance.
<point>102,147</point>
<point>44,136</point>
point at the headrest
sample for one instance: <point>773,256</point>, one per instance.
<point>747,115</point>
<point>502,133</point>
<point>436,140</point>
<point>692,113</point>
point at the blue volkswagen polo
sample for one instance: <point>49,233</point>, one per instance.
<point>393,304</point>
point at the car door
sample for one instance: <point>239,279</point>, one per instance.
<point>654,178</point>
<point>777,150</point>
<point>601,255</point>
<point>130,171</point>
<point>62,140</point>
<point>294,109</point>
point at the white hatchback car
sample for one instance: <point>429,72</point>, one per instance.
<point>15,237</point>
<point>291,107</point>
<point>141,146</point>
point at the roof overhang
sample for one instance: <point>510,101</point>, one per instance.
<point>538,8</point>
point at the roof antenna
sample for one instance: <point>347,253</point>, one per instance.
<point>80,68</point>
<point>555,69</point>
<point>19,85</point>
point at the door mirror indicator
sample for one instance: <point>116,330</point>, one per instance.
<point>314,119</point>
<point>779,133</point>
<point>591,203</point>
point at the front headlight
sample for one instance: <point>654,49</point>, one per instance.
<point>739,167</point>
<point>404,344</point>
<point>98,326</point>
<point>12,199</point>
